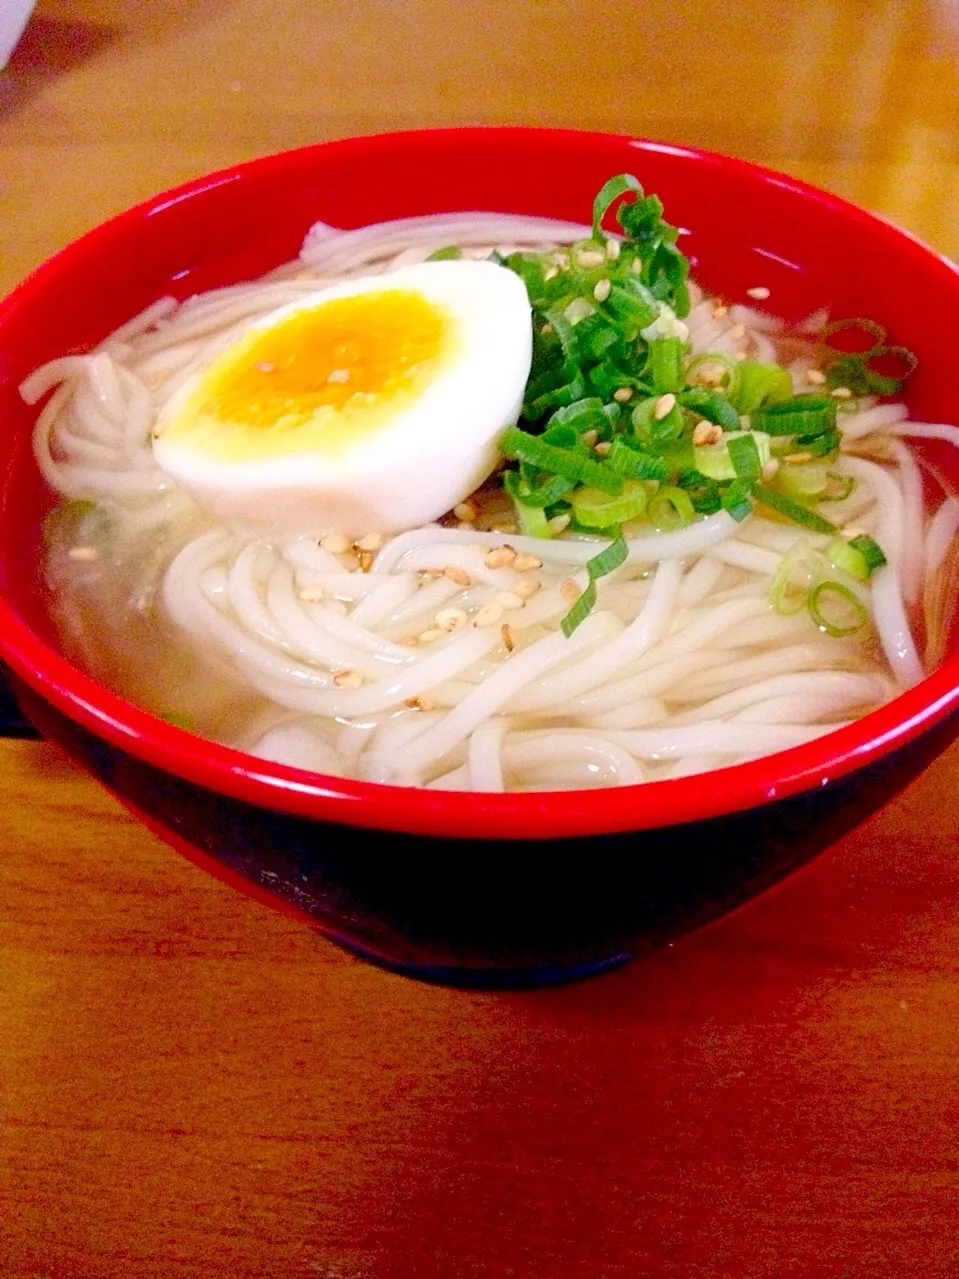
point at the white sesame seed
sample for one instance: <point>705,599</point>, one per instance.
<point>451,619</point>
<point>760,293</point>
<point>465,511</point>
<point>339,375</point>
<point>558,524</point>
<point>83,554</point>
<point>551,274</point>
<point>409,641</point>
<point>590,437</point>
<point>636,266</point>
<point>509,641</point>
<point>770,469</point>
<point>500,557</point>
<point>737,331</point>
<point>335,543</point>
<point>842,393</point>
<point>488,615</point>
<point>601,290</point>
<point>505,529</point>
<point>265,366</point>
<point>371,542</point>
<point>312,594</point>
<point>590,258</point>
<point>508,599</point>
<point>664,405</point>
<point>525,562</point>
<point>702,433</point>
<point>720,310</point>
<point>348,679</point>
<point>454,573</point>
<point>797,459</point>
<point>622,394</point>
<point>816,377</point>
<point>603,448</point>
<point>365,560</point>
<point>527,587</point>
<point>561,259</point>
<point>430,634</point>
<point>569,590</point>
<point>612,250</point>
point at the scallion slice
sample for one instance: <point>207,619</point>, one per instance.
<point>800,569</point>
<point>859,557</point>
<point>799,415</point>
<point>666,365</point>
<point>835,609</point>
<point>448,253</point>
<point>609,559</point>
<point>670,508</point>
<point>794,511</point>
<point>759,384</point>
<point>632,462</point>
<point>744,456</point>
<point>710,405</point>
<point>593,509</point>
<point>535,451</point>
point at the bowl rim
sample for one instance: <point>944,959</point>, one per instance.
<point>466,814</point>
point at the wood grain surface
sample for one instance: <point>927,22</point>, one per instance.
<point>193,1085</point>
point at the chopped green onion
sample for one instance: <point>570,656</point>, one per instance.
<point>446,254</point>
<point>794,511</point>
<point>587,414</point>
<point>736,499</point>
<point>608,193</point>
<point>701,491</point>
<point>666,364</point>
<point>670,508</point>
<point>818,445</point>
<point>838,487</point>
<point>710,405</point>
<point>627,460</point>
<point>532,519</point>
<point>609,558</point>
<point>759,384</point>
<point>859,557</point>
<point>874,330</point>
<point>870,550</point>
<point>712,358</point>
<point>836,610</point>
<point>799,570</point>
<point>804,483</point>
<point>717,461</point>
<point>856,371</point>
<point>799,415</point>
<point>578,467</point>
<point>744,455</point>
<point>594,509</point>
<point>848,559</point>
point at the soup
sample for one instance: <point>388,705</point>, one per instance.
<point>387,513</point>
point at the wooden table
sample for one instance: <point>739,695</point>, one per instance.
<point>193,1085</point>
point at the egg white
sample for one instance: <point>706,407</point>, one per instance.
<point>408,470</point>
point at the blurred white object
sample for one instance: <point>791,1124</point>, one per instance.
<point>14,15</point>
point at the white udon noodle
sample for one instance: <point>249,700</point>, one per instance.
<point>683,665</point>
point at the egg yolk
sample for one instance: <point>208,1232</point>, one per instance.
<point>319,377</point>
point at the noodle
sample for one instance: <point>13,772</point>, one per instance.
<point>388,674</point>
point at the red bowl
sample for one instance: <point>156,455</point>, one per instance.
<point>443,883</point>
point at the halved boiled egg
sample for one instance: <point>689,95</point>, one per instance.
<point>373,405</point>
